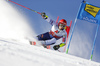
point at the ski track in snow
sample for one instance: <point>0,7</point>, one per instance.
<point>18,54</point>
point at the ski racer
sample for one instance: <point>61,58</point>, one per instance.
<point>57,31</point>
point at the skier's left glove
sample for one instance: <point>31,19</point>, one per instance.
<point>62,44</point>
<point>56,47</point>
<point>43,14</point>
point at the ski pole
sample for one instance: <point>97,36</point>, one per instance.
<point>24,6</point>
<point>94,41</point>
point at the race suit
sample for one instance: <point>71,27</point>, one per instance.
<point>54,34</point>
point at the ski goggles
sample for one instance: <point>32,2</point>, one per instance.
<point>62,25</point>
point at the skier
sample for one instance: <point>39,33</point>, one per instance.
<point>57,31</point>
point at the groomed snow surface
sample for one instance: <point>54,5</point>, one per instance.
<point>14,53</point>
<point>15,49</point>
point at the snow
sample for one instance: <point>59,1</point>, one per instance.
<point>14,53</point>
<point>13,25</point>
<point>15,49</point>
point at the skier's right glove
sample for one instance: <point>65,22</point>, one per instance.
<point>44,15</point>
<point>56,47</point>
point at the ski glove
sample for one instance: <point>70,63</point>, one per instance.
<point>44,15</point>
<point>62,44</point>
<point>56,47</point>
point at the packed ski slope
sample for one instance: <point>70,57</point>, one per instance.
<point>13,53</point>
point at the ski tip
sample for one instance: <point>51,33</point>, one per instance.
<point>32,42</point>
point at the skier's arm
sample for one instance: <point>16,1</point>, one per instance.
<point>63,41</point>
<point>56,47</point>
<point>44,16</point>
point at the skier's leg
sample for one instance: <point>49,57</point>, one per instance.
<point>45,39</point>
<point>44,36</point>
<point>50,41</point>
<point>47,42</point>
<point>36,41</point>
